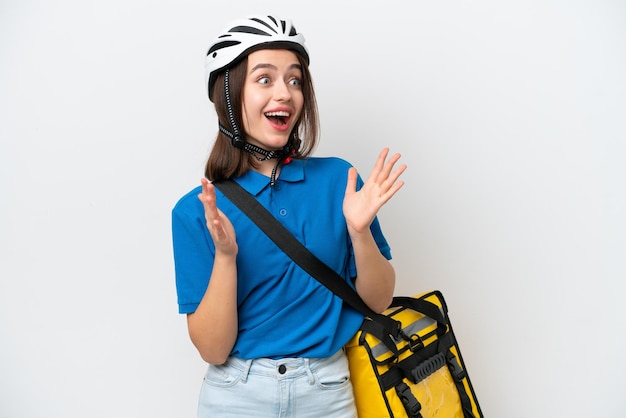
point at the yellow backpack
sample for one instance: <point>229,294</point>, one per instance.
<point>419,373</point>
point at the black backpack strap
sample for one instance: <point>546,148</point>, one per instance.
<point>299,253</point>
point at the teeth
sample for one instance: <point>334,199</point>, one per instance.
<point>277,114</point>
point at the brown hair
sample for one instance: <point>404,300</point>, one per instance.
<point>226,161</point>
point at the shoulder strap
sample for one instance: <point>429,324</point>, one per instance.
<point>299,253</point>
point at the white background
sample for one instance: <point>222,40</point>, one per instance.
<point>510,116</point>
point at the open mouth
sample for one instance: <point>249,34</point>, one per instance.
<point>279,118</point>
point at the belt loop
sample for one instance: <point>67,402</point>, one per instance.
<point>307,367</point>
<point>246,371</point>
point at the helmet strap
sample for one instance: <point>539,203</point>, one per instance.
<point>235,136</point>
<point>257,152</point>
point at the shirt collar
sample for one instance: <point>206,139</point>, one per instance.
<point>254,182</point>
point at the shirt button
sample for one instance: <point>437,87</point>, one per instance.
<point>283,212</point>
<point>282,369</point>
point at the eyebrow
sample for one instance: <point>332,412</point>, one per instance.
<point>273,67</point>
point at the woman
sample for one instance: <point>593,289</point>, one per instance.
<point>272,334</point>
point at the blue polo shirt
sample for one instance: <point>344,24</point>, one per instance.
<point>283,312</point>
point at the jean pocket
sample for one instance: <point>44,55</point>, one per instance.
<point>222,376</point>
<point>332,377</point>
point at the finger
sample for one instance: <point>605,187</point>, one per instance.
<point>219,230</point>
<point>208,199</point>
<point>205,193</point>
<point>352,178</point>
<point>391,192</point>
<point>390,164</point>
<point>386,177</point>
<point>387,167</point>
<point>379,165</point>
<point>393,177</point>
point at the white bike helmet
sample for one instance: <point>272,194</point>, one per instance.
<point>244,36</point>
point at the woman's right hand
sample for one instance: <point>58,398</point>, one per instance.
<point>219,225</point>
<point>213,326</point>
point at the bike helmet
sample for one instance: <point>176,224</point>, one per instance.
<point>244,36</point>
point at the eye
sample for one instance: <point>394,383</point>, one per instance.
<point>263,80</point>
<point>296,82</point>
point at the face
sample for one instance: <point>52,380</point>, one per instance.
<point>272,97</point>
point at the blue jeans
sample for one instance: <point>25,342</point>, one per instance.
<point>291,387</point>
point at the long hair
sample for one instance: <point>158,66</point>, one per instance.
<point>225,160</point>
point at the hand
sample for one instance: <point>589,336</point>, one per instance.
<point>219,225</point>
<point>360,208</point>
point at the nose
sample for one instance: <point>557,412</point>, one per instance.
<point>281,91</point>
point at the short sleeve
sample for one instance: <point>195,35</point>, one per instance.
<point>193,252</point>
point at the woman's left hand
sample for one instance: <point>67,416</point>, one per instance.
<point>360,207</point>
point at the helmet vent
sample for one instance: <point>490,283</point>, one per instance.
<point>267,25</point>
<point>250,30</point>
<point>220,45</point>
